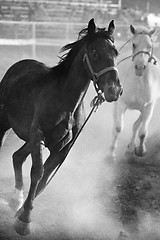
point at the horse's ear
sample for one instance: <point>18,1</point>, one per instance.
<point>151,32</point>
<point>111,27</point>
<point>91,26</point>
<point>154,34</point>
<point>133,30</point>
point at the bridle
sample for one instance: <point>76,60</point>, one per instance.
<point>96,75</point>
<point>150,53</point>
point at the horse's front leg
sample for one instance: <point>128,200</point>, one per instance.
<point>118,114</point>
<point>136,125</point>
<point>22,223</point>
<point>57,157</point>
<point>50,165</point>
<point>140,150</point>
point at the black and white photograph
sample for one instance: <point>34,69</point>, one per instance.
<point>79,120</point>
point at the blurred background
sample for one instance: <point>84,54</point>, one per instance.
<point>34,27</point>
<point>88,199</point>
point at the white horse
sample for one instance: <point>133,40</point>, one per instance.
<point>140,77</point>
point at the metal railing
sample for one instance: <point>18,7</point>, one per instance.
<point>41,33</point>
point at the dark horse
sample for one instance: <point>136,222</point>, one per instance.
<point>43,104</point>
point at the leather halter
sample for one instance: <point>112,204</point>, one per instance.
<point>150,56</point>
<point>150,53</point>
<point>96,75</point>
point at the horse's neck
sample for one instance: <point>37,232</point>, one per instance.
<point>76,83</point>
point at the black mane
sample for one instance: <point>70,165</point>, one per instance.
<point>67,59</point>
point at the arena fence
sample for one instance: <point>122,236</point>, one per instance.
<point>44,33</point>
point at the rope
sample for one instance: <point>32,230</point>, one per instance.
<point>149,60</point>
<point>121,49</point>
<point>95,103</point>
<point>125,44</point>
<point>124,59</point>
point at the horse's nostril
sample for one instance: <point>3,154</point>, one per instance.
<point>121,91</point>
<point>115,90</point>
<point>111,89</point>
<point>143,67</point>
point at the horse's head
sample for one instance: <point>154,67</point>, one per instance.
<point>99,59</point>
<point>142,48</point>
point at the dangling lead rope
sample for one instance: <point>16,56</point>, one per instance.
<point>132,56</point>
<point>95,103</point>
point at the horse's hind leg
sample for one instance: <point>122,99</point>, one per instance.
<point>22,224</point>
<point>52,162</point>
<point>19,158</point>
<point>4,125</point>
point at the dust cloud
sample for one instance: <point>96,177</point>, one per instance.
<point>90,198</point>
<point>138,193</point>
<point>77,204</point>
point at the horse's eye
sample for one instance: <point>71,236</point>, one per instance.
<point>94,54</point>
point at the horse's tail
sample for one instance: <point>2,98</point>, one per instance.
<point>3,92</point>
<point>4,125</point>
<point>4,122</point>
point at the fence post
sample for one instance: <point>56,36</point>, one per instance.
<point>34,40</point>
<point>67,31</point>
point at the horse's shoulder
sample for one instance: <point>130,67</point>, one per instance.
<point>24,73</point>
<point>29,65</point>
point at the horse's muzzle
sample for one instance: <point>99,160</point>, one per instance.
<point>113,93</point>
<point>139,70</point>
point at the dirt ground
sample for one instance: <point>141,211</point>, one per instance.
<point>90,198</point>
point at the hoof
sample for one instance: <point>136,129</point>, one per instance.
<point>21,215</point>
<point>21,228</point>
<point>139,152</point>
<point>123,236</point>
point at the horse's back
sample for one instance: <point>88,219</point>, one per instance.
<point>23,68</point>
<point>22,73</point>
